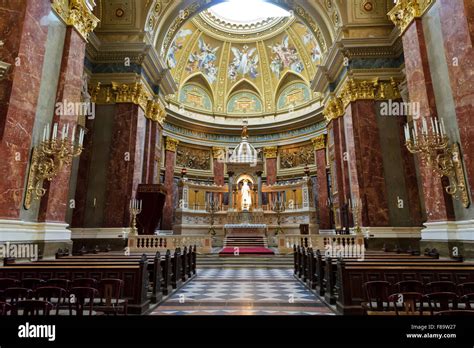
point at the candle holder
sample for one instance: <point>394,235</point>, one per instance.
<point>49,158</point>
<point>436,151</point>
<point>212,209</point>
<point>135,209</point>
<point>356,208</point>
<point>278,207</point>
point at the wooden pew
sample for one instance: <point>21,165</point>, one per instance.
<point>351,276</point>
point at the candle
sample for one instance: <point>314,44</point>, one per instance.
<point>443,128</point>
<point>55,131</point>
<point>425,126</point>
<point>44,134</point>
<point>407,132</point>
<point>73,138</point>
<point>437,126</point>
<point>415,129</point>
<point>48,131</point>
<point>433,125</point>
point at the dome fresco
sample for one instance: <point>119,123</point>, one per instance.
<point>265,71</point>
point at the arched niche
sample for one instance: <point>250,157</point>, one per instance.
<point>196,93</point>
<point>244,102</point>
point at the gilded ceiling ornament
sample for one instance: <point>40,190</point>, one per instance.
<point>405,11</point>
<point>353,90</point>
<point>218,153</point>
<point>76,13</point>
<point>171,144</point>
<point>155,111</point>
<point>270,152</point>
<point>134,93</point>
<point>319,143</point>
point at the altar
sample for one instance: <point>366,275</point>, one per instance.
<point>245,229</point>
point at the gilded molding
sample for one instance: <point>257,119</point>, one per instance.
<point>171,144</point>
<point>3,69</point>
<point>270,152</point>
<point>76,13</point>
<point>218,152</point>
<point>134,93</point>
<point>405,11</point>
<point>319,143</point>
<point>354,90</point>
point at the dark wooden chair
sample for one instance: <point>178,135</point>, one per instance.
<point>407,303</point>
<point>466,288</point>
<point>442,301</point>
<point>5,308</point>
<point>59,283</point>
<point>81,301</point>
<point>33,307</point>
<point>377,295</point>
<point>14,295</point>
<point>468,301</point>
<point>32,283</point>
<point>6,283</point>
<point>84,283</point>
<point>52,294</point>
<point>409,286</point>
<point>111,297</point>
<point>440,286</point>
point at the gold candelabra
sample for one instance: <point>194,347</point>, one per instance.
<point>434,147</point>
<point>135,209</point>
<point>356,208</point>
<point>278,207</point>
<point>49,157</point>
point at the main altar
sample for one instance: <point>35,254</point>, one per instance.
<point>246,206</point>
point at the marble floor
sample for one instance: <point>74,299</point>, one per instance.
<point>223,291</point>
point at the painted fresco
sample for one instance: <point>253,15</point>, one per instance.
<point>294,95</point>
<point>196,97</point>
<point>178,43</point>
<point>244,63</point>
<point>244,103</point>
<point>285,56</point>
<point>309,41</point>
<point>204,59</point>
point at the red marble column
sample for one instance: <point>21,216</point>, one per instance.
<point>125,163</point>
<point>155,154</point>
<point>366,163</point>
<point>438,205</point>
<point>457,26</point>
<point>320,156</point>
<point>55,203</point>
<point>271,154</point>
<point>24,40</point>
<point>170,160</point>
<point>218,165</point>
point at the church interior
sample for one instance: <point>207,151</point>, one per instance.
<point>240,157</point>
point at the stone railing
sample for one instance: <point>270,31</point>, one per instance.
<point>149,243</point>
<point>321,242</point>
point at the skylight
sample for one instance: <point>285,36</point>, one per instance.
<point>248,11</point>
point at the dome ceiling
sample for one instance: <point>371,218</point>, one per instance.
<point>251,68</point>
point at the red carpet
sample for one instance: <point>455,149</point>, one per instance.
<point>229,251</point>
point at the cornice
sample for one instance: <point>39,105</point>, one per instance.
<point>406,11</point>
<point>78,14</point>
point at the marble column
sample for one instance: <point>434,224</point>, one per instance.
<point>24,39</point>
<point>438,205</point>
<point>231,190</point>
<point>125,165</point>
<point>152,153</point>
<point>259,193</point>
<point>271,155</point>
<point>170,160</point>
<point>323,194</point>
<point>457,27</point>
<point>218,155</point>
<point>55,203</point>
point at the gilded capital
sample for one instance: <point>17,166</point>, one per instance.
<point>155,111</point>
<point>218,153</point>
<point>319,143</point>
<point>134,93</point>
<point>171,144</point>
<point>405,11</point>
<point>270,152</point>
<point>78,14</point>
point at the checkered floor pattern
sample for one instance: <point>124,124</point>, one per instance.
<point>243,292</point>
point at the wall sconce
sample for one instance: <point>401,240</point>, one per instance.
<point>435,149</point>
<point>49,157</point>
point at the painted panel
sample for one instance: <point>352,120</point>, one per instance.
<point>293,96</point>
<point>195,96</point>
<point>244,103</point>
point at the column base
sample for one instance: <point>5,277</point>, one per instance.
<point>115,238</point>
<point>392,237</point>
<point>48,236</point>
<point>446,235</point>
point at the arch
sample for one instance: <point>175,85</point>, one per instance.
<point>293,95</point>
<point>244,84</point>
<point>243,102</point>
<point>289,77</point>
<point>199,79</point>
<point>245,177</point>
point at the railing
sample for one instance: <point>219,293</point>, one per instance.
<point>149,243</point>
<point>321,242</point>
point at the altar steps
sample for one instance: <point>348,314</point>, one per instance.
<point>245,241</point>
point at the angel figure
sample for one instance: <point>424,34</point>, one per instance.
<point>245,62</point>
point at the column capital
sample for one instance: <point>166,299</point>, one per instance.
<point>230,173</point>
<point>406,11</point>
<point>259,173</point>
<point>218,152</point>
<point>353,90</point>
<point>270,152</point>
<point>171,144</point>
<point>77,14</point>
<point>319,142</point>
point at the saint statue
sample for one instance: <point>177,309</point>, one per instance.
<point>246,196</point>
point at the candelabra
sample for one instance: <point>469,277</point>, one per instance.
<point>434,147</point>
<point>278,207</point>
<point>135,209</point>
<point>49,157</point>
<point>356,208</point>
<point>212,209</point>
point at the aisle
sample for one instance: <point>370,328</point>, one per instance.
<point>257,291</point>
